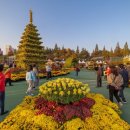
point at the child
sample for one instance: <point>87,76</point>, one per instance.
<point>2,90</point>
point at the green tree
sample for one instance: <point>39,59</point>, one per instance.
<point>77,50</point>
<point>105,53</point>
<point>96,48</point>
<point>56,47</point>
<point>126,50</point>
<point>30,50</point>
<point>84,54</point>
<point>117,51</point>
<point>111,54</point>
<point>96,52</point>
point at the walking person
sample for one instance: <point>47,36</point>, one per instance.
<point>36,74</point>
<point>124,74</point>
<point>77,70</point>
<point>48,71</point>
<point>30,78</point>
<point>115,81</point>
<point>2,91</point>
<point>8,76</point>
<point>108,70</point>
<point>128,69</point>
<point>99,76</point>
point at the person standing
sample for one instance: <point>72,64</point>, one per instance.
<point>108,70</point>
<point>30,80</point>
<point>36,74</point>
<point>48,71</point>
<point>115,81</point>
<point>2,90</point>
<point>77,70</point>
<point>125,76</point>
<point>99,76</point>
<point>8,75</point>
<point>128,69</point>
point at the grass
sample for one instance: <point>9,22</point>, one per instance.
<point>16,93</point>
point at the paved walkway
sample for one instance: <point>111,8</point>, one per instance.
<point>16,93</point>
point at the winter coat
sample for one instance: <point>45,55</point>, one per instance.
<point>2,82</point>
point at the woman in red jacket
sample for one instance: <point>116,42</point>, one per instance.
<point>2,90</point>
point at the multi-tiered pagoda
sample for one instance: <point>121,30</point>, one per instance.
<point>30,49</point>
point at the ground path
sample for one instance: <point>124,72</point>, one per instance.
<point>16,93</point>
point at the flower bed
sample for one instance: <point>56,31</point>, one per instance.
<point>20,75</point>
<point>64,90</point>
<point>90,112</point>
<point>61,112</point>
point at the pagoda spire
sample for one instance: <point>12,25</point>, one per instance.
<point>31,17</point>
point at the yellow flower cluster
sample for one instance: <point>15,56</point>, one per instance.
<point>23,117</point>
<point>106,114</point>
<point>22,75</point>
<point>64,90</point>
<point>105,117</point>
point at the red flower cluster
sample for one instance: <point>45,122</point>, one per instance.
<point>62,112</point>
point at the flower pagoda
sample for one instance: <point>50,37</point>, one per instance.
<point>30,49</point>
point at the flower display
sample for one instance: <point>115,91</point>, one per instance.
<point>64,112</point>
<point>91,112</point>
<point>64,90</point>
<point>105,116</point>
<point>21,74</point>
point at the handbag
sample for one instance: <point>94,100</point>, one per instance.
<point>116,87</point>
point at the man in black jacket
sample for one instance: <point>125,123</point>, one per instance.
<point>125,76</point>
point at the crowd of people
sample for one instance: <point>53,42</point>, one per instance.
<point>117,79</point>
<point>32,80</point>
<point>32,77</point>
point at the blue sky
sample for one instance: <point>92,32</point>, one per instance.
<point>67,22</point>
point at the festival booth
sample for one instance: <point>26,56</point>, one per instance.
<point>82,63</point>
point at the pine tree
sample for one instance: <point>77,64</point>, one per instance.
<point>117,51</point>
<point>84,54</point>
<point>30,50</point>
<point>126,50</point>
<point>105,53</point>
<point>77,50</point>
<point>96,52</point>
<point>96,48</point>
<point>111,53</point>
<point>56,47</point>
